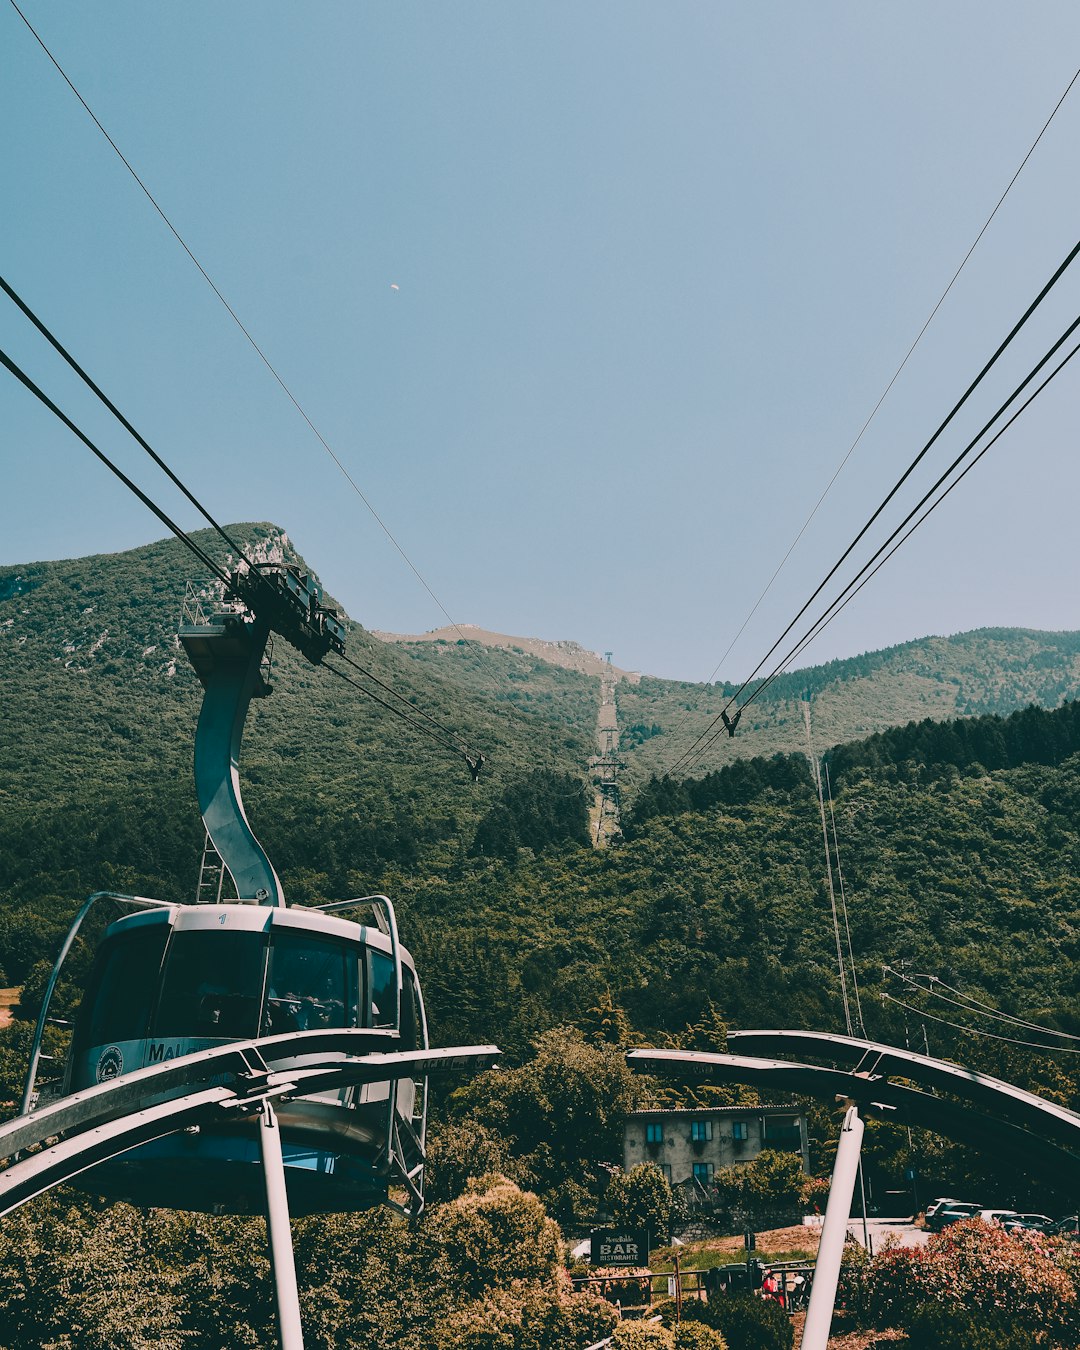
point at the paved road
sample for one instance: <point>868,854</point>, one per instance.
<point>879,1230</point>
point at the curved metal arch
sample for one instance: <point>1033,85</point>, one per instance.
<point>1032,1151</point>
<point>1002,1099</point>
<point>210,1085</point>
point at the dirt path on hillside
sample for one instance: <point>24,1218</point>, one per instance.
<point>8,999</point>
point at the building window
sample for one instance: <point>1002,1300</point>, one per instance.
<point>700,1131</point>
<point>703,1173</point>
<point>654,1133</point>
<point>783,1133</point>
<point>738,1130</point>
<point>666,1169</point>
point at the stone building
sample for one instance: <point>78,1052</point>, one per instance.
<point>691,1146</point>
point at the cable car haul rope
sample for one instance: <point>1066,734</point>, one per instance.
<point>324,1014</point>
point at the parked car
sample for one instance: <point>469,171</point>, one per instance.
<point>952,1214</point>
<point>1034,1223</point>
<point>942,1202</point>
<point>1069,1227</point>
<point>996,1218</point>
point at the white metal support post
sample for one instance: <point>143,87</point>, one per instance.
<point>279,1234</point>
<point>833,1233</point>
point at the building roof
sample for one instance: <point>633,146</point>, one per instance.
<point>687,1111</point>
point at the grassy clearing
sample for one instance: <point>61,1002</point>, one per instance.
<point>781,1244</point>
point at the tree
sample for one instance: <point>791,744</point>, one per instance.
<point>562,1111</point>
<point>641,1198</point>
<point>458,1151</point>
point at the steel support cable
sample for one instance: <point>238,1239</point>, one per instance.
<point>58,346</point>
<point>166,520</point>
<point>837,605</point>
<point>408,703</point>
<point>869,570</point>
<point>980,1009</point>
<point>195,548</point>
<point>236,319</point>
<point>815,770</point>
<point>1016,328</point>
<point>843,898</point>
<point>457,749</point>
<point>972,1031</point>
<point>888,389</point>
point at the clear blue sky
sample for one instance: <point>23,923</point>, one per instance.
<point>655,265</point>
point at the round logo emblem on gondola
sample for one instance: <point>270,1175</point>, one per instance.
<point>111,1064</point>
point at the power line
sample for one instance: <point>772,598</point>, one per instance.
<point>888,388</point>
<point>1032,307</point>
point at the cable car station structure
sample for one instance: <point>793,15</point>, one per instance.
<point>1042,1138</point>
<point>247,1055</point>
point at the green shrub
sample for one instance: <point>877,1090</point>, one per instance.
<point>947,1326</point>
<point>523,1317</point>
<point>642,1336</point>
<point>697,1336</point>
<point>745,1321</point>
<point>971,1266</point>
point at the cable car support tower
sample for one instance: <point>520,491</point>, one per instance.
<point>243,1054</point>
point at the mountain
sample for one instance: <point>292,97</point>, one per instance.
<point>960,843</point>
<point>100,706</point>
<point>522,924</point>
<point>566,653</point>
<point>990,670</point>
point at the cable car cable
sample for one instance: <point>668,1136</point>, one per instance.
<point>413,707</point>
<point>458,750</point>
<point>972,1031</point>
<point>1032,307</point>
<point>888,389</point>
<point>77,368</point>
<point>838,604</point>
<point>202,555</point>
<point>851,589</point>
<point>166,520</point>
<point>62,350</point>
<point>236,319</point>
<point>980,1009</point>
<point>823,765</point>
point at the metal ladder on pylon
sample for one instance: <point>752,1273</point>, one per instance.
<point>211,875</point>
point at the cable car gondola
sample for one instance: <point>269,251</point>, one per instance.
<point>174,979</point>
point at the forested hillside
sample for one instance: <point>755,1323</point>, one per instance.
<point>717,894</point>
<point>991,670</point>
<point>960,841</point>
<point>100,707</point>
